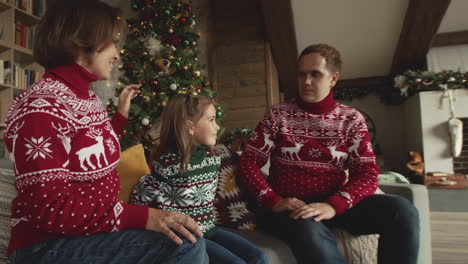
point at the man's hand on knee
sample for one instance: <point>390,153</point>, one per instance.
<point>319,211</point>
<point>288,204</point>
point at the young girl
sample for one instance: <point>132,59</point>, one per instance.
<point>184,177</point>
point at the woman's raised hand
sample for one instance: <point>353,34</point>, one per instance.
<point>128,93</point>
<point>167,222</point>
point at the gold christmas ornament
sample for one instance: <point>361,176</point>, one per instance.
<point>171,30</point>
<point>163,103</point>
<point>197,73</point>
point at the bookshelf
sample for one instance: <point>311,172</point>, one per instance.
<point>18,70</point>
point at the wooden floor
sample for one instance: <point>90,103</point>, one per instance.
<point>449,237</point>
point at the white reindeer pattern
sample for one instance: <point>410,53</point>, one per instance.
<point>63,134</point>
<point>268,143</point>
<point>290,152</point>
<point>356,143</point>
<point>14,136</point>
<point>338,156</point>
<point>97,150</point>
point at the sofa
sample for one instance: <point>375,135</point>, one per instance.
<point>355,249</point>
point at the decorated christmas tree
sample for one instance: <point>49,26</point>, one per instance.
<point>161,54</point>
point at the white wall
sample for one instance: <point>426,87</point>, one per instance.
<point>434,117</point>
<point>448,58</point>
<point>366,32</point>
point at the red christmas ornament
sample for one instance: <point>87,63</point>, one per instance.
<point>198,87</point>
<point>155,82</point>
<point>189,8</point>
<point>173,40</point>
<point>148,2</point>
<point>147,16</point>
<point>182,20</point>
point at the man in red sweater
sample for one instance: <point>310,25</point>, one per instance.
<point>323,172</point>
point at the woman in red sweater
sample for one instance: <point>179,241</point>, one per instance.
<point>65,151</point>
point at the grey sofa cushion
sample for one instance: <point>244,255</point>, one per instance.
<point>355,249</point>
<point>6,164</point>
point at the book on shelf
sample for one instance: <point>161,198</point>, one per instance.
<point>3,150</point>
<point>2,73</point>
<point>1,26</point>
<point>23,78</point>
<point>24,35</point>
<point>34,7</point>
<point>6,72</point>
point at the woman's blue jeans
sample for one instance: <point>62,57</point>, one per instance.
<point>228,248</point>
<point>127,246</point>
<point>391,216</point>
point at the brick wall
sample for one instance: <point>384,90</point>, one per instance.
<point>460,164</point>
<point>242,69</point>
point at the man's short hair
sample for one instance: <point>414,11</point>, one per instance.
<point>332,56</point>
<point>69,29</point>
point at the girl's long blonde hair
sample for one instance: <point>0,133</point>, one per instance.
<point>175,135</point>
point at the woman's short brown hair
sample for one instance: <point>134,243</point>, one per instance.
<point>332,56</point>
<point>69,29</point>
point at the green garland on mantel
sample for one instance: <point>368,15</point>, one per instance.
<point>406,85</point>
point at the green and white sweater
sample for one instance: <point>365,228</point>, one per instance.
<point>191,192</point>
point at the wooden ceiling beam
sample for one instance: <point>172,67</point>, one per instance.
<point>366,82</point>
<point>422,21</point>
<point>450,38</point>
<point>281,33</point>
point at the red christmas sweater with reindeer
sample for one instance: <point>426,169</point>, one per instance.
<point>65,152</point>
<point>316,150</point>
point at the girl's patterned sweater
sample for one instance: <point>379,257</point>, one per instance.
<point>190,192</point>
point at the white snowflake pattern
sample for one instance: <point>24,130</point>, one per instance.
<point>110,145</point>
<point>202,194</point>
<point>315,152</point>
<point>369,146</point>
<point>174,196</point>
<point>38,148</point>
